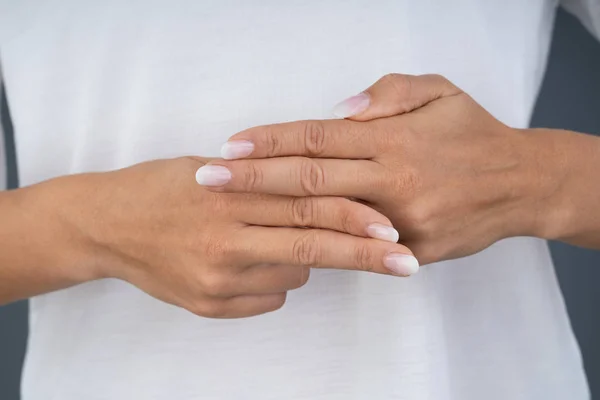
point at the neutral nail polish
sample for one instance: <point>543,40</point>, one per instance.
<point>401,264</point>
<point>383,232</point>
<point>235,149</point>
<point>352,106</point>
<point>213,175</point>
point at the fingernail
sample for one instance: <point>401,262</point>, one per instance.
<point>352,105</point>
<point>383,232</point>
<point>401,264</point>
<point>213,175</point>
<point>237,149</point>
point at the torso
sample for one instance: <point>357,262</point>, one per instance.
<point>101,85</point>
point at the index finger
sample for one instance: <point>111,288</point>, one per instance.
<point>312,138</point>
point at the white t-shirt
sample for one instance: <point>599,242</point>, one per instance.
<point>98,85</point>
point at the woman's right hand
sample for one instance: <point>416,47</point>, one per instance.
<point>218,255</point>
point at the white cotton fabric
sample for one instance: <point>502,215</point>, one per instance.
<point>3,165</point>
<point>98,85</point>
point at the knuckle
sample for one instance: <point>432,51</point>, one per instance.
<point>314,138</point>
<point>253,176</point>
<point>408,182</point>
<point>347,217</point>
<point>304,276</point>
<point>392,76</point>
<point>438,77</point>
<point>218,204</point>
<point>279,301</point>
<point>273,303</point>
<point>303,211</point>
<point>216,285</point>
<point>209,309</point>
<point>306,249</point>
<point>273,142</point>
<point>400,83</point>
<point>216,250</point>
<point>444,84</point>
<point>363,258</point>
<point>312,177</point>
<point>417,220</point>
<point>382,182</point>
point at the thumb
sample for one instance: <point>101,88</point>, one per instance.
<point>395,94</point>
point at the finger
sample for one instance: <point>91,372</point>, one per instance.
<point>323,139</point>
<point>294,176</point>
<point>240,306</point>
<point>395,94</point>
<point>319,248</point>
<point>259,279</point>
<point>270,278</point>
<point>334,213</point>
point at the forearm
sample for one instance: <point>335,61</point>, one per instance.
<point>569,210</point>
<point>39,252</point>
<point>48,232</point>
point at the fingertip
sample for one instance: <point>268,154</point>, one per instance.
<point>401,264</point>
<point>383,232</point>
<point>213,175</point>
<point>352,106</point>
<point>236,149</point>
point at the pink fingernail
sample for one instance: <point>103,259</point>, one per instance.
<point>401,264</point>
<point>213,175</point>
<point>352,105</point>
<point>235,149</point>
<point>383,232</point>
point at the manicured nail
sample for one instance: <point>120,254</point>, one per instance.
<point>213,175</point>
<point>401,264</point>
<point>235,149</point>
<point>352,106</point>
<point>383,232</point>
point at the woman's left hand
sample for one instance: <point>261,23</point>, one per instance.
<point>451,178</point>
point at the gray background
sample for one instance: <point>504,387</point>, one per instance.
<point>570,99</point>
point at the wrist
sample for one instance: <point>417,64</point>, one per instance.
<point>562,173</point>
<point>56,213</point>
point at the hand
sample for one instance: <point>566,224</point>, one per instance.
<point>451,177</point>
<point>227,255</point>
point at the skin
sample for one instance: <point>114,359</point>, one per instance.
<point>452,179</point>
<point>216,255</point>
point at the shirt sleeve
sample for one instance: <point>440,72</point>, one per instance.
<point>588,12</point>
